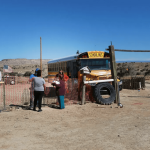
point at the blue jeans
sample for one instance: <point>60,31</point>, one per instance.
<point>61,101</point>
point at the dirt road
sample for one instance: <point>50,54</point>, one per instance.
<point>88,127</point>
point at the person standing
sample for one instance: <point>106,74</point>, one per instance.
<point>62,73</point>
<point>39,88</point>
<point>32,88</point>
<point>60,90</point>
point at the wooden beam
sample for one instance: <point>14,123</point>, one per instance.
<point>113,69</point>
<point>123,50</point>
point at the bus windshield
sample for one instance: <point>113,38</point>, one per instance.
<point>96,64</point>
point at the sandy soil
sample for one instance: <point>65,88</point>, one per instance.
<point>77,127</point>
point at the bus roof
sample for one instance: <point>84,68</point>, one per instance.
<point>74,57</point>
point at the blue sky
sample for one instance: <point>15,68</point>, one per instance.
<point>70,25</point>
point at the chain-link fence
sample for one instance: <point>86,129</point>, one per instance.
<point>17,92</point>
<point>73,93</point>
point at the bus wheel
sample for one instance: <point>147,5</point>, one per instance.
<point>104,93</point>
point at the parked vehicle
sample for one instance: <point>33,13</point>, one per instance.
<point>99,64</point>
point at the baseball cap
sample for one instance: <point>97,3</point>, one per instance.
<point>37,69</point>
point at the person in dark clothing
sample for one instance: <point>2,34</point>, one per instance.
<point>60,88</point>
<point>32,88</point>
<point>39,88</point>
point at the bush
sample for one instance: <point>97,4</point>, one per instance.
<point>138,73</point>
<point>13,73</point>
<point>28,73</point>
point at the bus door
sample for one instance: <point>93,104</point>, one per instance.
<point>75,70</point>
<point>72,70</point>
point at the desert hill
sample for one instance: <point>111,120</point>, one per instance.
<point>133,69</point>
<point>22,61</point>
<point>24,67</point>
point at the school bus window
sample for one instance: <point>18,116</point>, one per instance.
<point>63,66</point>
<point>49,67</point>
<point>59,66</point>
<point>94,64</point>
<point>54,67</point>
<point>66,66</point>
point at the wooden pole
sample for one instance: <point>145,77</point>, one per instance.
<point>83,90</point>
<point>113,69</point>
<point>4,90</point>
<point>41,55</point>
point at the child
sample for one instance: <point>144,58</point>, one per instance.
<point>60,89</point>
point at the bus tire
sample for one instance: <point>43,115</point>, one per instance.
<point>99,98</point>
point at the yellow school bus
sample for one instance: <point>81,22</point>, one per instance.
<point>97,61</point>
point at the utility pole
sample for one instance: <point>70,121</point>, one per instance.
<point>41,55</point>
<point>113,69</point>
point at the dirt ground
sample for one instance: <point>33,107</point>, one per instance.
<point>81,127</point>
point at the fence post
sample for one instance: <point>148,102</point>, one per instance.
<point>118,95</point>
<point>139,85</point>
<point>113,69</point>
<point>83,90</point>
